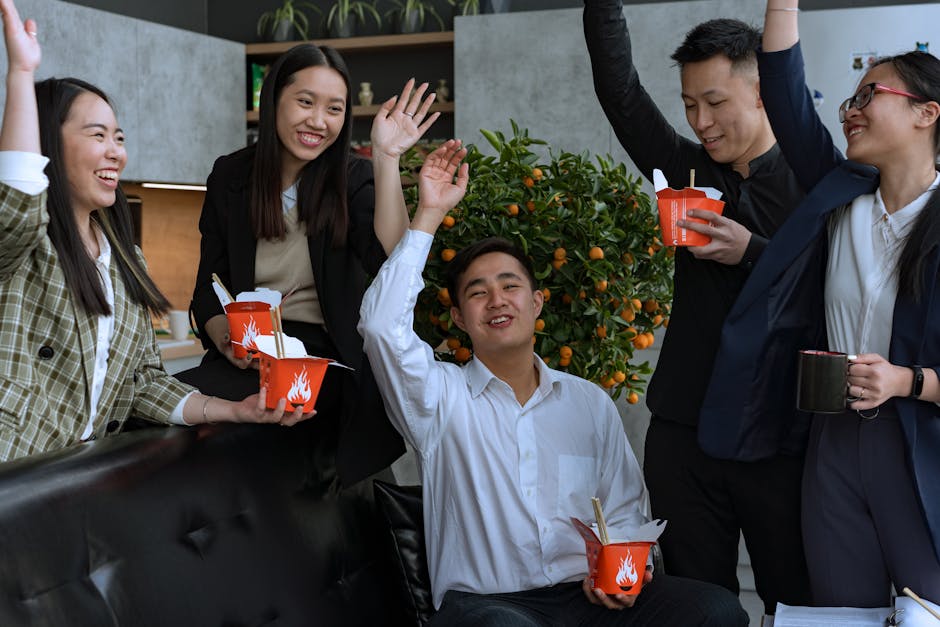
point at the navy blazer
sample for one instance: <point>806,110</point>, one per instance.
<point>368,442</point>
<point>750,409</point>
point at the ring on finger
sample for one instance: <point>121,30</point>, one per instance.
<point>861,394</point>
<point>410,115</point>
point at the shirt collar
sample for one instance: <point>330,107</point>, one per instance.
<point>901,220</point>
<point>104,248</point>
<point>479,376</point>
<point>768,160</point>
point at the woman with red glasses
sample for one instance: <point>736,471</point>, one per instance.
<point>856,269</point>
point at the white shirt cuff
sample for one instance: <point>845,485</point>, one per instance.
<point>24,171</point>
<point>413,248</point>
<point>177,416</point>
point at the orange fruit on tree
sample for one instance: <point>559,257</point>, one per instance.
<point>601,332</point>
<point>443,296</point>
<point>565,352</point>
<point>566,299</point>
<point>639,342</point>
<point>628,315</point>
<point>530,205</point>
<point>608,383</point>
<point>462,354</point>
<point>560,253</point>
<point>558,263</point>
<point>633,398</point>
<point>582,294</point>
<point>547,293</point>
<point>631,332</point>
<point>666,323</point>
<point>620,376</point>
<point>513,209</point>
<point>448,253</point>
<point>636,304</point>
<point>657,320</point>
<point>536,174</point>
<point>453,343</point>
<point>650,305</point>
<point>564,362</point>
<point>634,377</point>
<point>596,252</point>
<point>650,338</point>
<point>434,319</point>
<point>534,340</point>
<point>601,286</point>
<point>539,325</point>
<point>448,222</point>
<point>528,181</point>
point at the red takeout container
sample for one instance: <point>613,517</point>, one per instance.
<point>298,379</point>
<point>615,568</point>
<point>246,321</point>
<point>674,205</point>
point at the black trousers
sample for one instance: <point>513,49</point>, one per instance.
<point>862,519</point>
<point>664,602</point>
<point>709,502</point>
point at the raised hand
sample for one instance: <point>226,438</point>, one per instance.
<point>23,52</point>
<point>438,192</point>
<point>402,120</point>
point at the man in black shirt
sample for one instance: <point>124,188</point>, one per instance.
<point>708,501</point>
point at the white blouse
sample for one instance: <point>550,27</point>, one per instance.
<point>865,243</point>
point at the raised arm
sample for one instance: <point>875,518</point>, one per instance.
<point>20,116</point>
<point>409,377</point>
<point>804,140</point>
<point>399,124</point>
<point>640,126</point>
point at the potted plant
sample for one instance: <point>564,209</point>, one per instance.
<point>339,20</point>
<point>411,14</point>
<point>465,7</point>
<point>278,23</point>
<point>594,240</point>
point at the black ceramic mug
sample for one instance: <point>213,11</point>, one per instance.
<point>822,382</point>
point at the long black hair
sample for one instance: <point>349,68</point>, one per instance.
<point>321,190</point>
<point>920,73</point>
<point>55,97</point>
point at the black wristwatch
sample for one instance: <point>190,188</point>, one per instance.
<point>918,385</point>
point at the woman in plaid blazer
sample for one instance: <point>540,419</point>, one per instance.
<point>78,355</point>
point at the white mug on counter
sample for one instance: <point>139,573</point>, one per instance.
<point>179,324</point>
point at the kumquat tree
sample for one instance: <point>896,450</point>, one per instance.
<point>593,238</point>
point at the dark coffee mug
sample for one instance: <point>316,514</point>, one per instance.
<point>822,382</point>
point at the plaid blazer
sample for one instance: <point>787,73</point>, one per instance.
<point>48,344</point>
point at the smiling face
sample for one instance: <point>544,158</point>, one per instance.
<point>311,112</point>
<point>723,107</point>
<point>877,133</point>
<point>94,153</point>
<point>498,305</point>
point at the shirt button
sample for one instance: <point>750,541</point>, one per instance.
<point>46,352</point>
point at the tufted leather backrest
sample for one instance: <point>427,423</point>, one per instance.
<point>207,526</point>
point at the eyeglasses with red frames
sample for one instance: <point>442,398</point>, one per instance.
<point>865,93</point>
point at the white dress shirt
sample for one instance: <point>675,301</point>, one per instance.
<point>24,171</point>
<point>865,243</point>
<point>500,480</point>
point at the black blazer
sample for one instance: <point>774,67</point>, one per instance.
<point>368,442</point>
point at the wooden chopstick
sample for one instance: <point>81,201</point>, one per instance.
<point>692,178</point>
<point>601,524</point>
<point>218,281</point>
<point>920,601</point>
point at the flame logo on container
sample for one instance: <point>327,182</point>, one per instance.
<point>299,392</point>
<point>626,576</point>
<point>251,332</point>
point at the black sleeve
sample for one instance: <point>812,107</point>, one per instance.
<point>640,126</point>
<point>361,198</point>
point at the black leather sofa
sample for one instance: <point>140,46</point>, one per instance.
<point>223,525</point>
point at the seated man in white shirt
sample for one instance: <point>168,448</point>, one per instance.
<point>508,448</point>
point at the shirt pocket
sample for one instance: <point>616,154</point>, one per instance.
<point>15,401</point>
<point>577,483</point>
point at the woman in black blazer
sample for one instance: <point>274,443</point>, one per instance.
<point>299,213</point>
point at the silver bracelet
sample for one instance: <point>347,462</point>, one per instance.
<point>205,406</point>
<point>791,9</point>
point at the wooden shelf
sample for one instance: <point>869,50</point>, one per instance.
<point>360,112</point>
<point>359,44</point>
